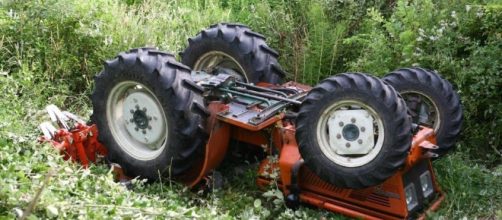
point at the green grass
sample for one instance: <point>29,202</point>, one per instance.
<point>50,50</point>
<point>471,189</point>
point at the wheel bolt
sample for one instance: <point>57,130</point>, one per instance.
<point>347,145</point>
<point>131,120</point>
<point>144,109</point>
<point>353,120</point>
<point>341,124</point>
<point>144,131</point>
<point>132,111</point>
<point>363,129</point>
<point>136,129</point>
<point>360,141</point>
<point>149,127</point>
<point>137,106</point>
<point>149,118</point>
<point>135,100</point>
<point>338,136</point>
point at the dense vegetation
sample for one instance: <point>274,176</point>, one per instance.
<point>50,50</point>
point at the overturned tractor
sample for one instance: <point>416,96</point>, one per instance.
<point>353,144</point>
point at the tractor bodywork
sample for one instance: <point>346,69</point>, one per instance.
<point>410,192</point>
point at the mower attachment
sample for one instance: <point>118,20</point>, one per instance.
<point>77,141</point>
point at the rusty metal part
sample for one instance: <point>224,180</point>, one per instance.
<point>215,149</point>
<point>79,144</point>
<point>77,141</point>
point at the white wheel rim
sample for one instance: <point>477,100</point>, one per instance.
<point>432,116</point>
<point>331,144</point>
<point>210,60</point>
<point>136,120</point>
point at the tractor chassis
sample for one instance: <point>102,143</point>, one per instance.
<point>275,132</point>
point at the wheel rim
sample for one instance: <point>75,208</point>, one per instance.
<point>136,120</point>
<point>423,109</point>
<point>350,133</point>
<point>211,60</point>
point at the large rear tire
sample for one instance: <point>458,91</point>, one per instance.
<point>431,101</point>
<point>142,113</point>
<point>353,130</point>
<point>236,47</point>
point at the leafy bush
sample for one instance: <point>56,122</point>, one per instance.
<point>461,42</point>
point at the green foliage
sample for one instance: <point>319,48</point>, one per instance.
<point>469,186</point>
<point>50,50</point>
<point>459,40</point>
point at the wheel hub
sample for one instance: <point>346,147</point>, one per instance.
<point>423,110</point>
<point>136,120</point>
<point>142,115</point>
<point>351,132</point>
<point>140,118</point>
<point>214,59</point>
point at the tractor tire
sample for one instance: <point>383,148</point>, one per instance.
<point>353,130</point>
<point>236,47</point>
<point>442,104</point>
<point>143,114</point>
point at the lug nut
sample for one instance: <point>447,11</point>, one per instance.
<point>353,120</point>
<point>341,124</point>
<point>360,141</point>
<point>132,111</point>
<point>149,118</point>
<point>338,136</point>
<point>149,127</point>
<point>137,106</point>
<point>347,145</point>
<point>131,120</point>
<point>135,100</point>
<point>144,131</point>
<point>136,129</point>
<point>363,129</point>
<point>144,109</point>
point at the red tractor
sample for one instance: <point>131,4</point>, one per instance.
<point>353,144</point>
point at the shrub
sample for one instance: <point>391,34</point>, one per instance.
<point>460,41</point>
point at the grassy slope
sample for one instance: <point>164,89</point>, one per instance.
<point>472,190</point>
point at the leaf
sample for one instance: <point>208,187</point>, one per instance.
<point>18,212</point>
<point>52,211</point>
<point>257,203</point>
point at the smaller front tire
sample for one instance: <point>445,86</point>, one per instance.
<point>353,130</point>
